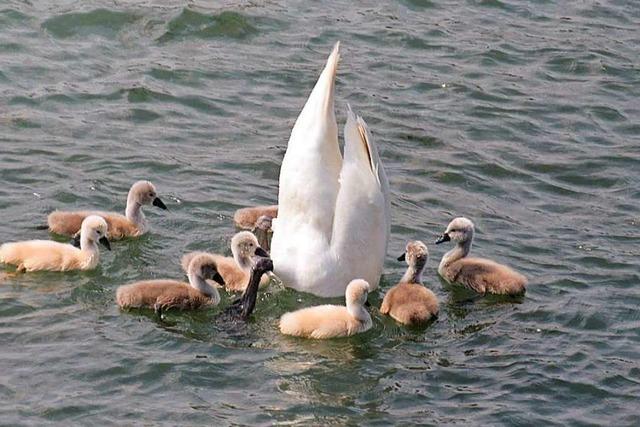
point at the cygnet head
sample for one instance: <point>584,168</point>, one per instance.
<point>244,246</point>
<point>144,193</point>
<point>264,223</point>
<point>94,229</point>
<point>416,254</point>
<point>204,266</point>
<point>357,292</point>
<point>460,230</point>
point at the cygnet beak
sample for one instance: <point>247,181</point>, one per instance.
<point>105,242</point>
<point>158,203</point>
<point>76,241</point>
<point>444,238</point>
<point>261,252</point>
<point>216,277</point>
<point>402,257</point>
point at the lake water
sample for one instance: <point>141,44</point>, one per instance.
<point>523,116</point>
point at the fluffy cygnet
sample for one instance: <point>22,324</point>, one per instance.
<point>35,255</point>
<point>330,321</point>
<point>165,294</point>
<point>481,275</point>
<point>132,224</point>
<point>409,302</point>
<point>262,230</point>
<point>235,270</point>
<point>246,218</point>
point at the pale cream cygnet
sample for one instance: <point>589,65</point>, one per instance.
<point>33,255</point>
<point>330,321</point>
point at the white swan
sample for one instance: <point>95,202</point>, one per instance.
<point>333,214</point>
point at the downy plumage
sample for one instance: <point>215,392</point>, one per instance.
<point>133,223</point>
<point>479,274</point>
<point>235,270</point>
<point>164,294</point>
<point>331,321</point>
<point>410,302</point>
<point>33,255</point>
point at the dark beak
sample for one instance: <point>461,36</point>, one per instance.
<point>158,203</point>
<point>444,238</point>
<point>218,279</point>
<point>76,240</point>
<point>105,242</point>
<point>402,257</point>
<point>261,252</point>
<point>367,303</point>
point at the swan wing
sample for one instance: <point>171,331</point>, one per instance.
<point>362,220</point>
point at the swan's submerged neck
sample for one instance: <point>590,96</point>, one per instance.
<point>134,213</point>
<point>460,251</point>
<point>250,293</point>
<point>197,282</point>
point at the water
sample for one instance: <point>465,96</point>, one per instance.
<point>520,115</point>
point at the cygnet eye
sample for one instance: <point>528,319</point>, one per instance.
<point>150,194</point>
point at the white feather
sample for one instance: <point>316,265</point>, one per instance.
<point>333,219</point>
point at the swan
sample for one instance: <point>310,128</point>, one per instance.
<point>235,271</point>
<point>331,321</point>
<point>244,306</point>
<point>33,255</point>
<point>409,302</point>
<point>133,223</point>
<point>479,274</point>
<point>333,218</point>
<point>164,294</point>
<point>246,218</point>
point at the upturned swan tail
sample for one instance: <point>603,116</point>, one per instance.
<point>321,98</point>
<point>311,165</point>
<point>317,121</point>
